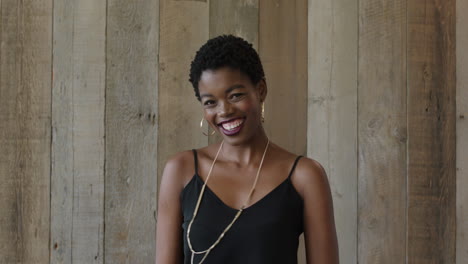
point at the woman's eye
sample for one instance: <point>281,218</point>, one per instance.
<point>236,95</point>
<point>208,102</point>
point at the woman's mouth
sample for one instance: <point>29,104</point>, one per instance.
<point>232,127</point>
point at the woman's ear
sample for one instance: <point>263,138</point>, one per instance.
<point>262,89</point>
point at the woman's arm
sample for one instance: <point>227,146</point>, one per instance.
<point>169,218</point>
<point>319,223</point>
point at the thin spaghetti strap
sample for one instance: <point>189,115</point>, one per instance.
<point>294,166</point>
<point>195,159</point>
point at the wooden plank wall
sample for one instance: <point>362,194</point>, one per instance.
<point>462,131</point>
<point>332,109</point>
<point>94,97</point>
<point>405,127</point>
<point>25,121</point>
<point>240,18</point>
<point>132,41</point>
<point>77,178</point>
<point>382,125</point>
<point>431,132</point>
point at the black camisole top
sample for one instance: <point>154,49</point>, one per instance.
<point>266,232</point>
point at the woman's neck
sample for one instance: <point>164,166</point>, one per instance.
<point>247,154</point>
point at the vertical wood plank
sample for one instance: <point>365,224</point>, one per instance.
<point>239,18</point>
<point>282,44</point>
<point>77,179</point>
<point>283,49</point>
<point>332,109</point>
<point>61,216</point>
<point>462,131</point>
<point>431,131</point>
<point>382,132</point>
<point>236,17</point>
<point>131,130</point>
<point>25,105</point>
<point>184,28</point>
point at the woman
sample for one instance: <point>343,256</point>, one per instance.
<point>244,200</point>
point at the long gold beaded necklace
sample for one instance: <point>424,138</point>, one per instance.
<point>208,250</point>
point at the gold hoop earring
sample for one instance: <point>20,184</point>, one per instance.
<point>263,112</point>
<point>203,132</point>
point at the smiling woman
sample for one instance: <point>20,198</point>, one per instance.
<point>244,199</point>
<point>232,102</point>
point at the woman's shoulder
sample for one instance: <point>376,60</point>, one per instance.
<point>310,166</point>
<point>180,160</point>
<point>311,177</point>
<point>308,173</point>
<point>179,168</point>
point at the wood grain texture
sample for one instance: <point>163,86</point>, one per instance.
<point>332,109</point>
<point>382,132</point>
<point>462,131</point>
<point>131,130</point>
<point>282,44</point>
<point>239,18</point>
<point>283,50</point>
<point>184,28</point>
<point>77,179</point>
<point>25,104</point>
<point>431,132</point>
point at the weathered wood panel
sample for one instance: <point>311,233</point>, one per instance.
<point>131,130</point>
<point>462,131</point>
<point>382,132</point>
<point>76,114</point>
<point>431,131</point>
<point>77,179</point>
<point>332,109</point>
<point>184,27</point>
<point>239,18</point>
<point>282,44</point>
<point>25,104</point>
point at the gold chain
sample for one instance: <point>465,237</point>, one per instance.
<point>208,250</point>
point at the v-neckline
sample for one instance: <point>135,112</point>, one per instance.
<point>207,188</point>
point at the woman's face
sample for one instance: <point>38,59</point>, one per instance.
<point>232,103</point>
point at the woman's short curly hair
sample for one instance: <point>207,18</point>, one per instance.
<point>226,50</point>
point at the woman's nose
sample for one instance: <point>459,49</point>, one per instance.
<point>225,109</point>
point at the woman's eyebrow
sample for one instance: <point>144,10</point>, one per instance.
<point>205,95</point>
<point>235,86</point>
<point>228,90</point>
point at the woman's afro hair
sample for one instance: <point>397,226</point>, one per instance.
<point>226,50</point>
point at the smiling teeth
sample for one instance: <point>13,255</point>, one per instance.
<point>232,125</point>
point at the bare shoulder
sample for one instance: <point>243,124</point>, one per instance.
<point>309,166</point>
<point>319,223</point>
<point>169,217</point>
<point>180,160</point>
<point>179,168</point>
<point>310,178</point>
